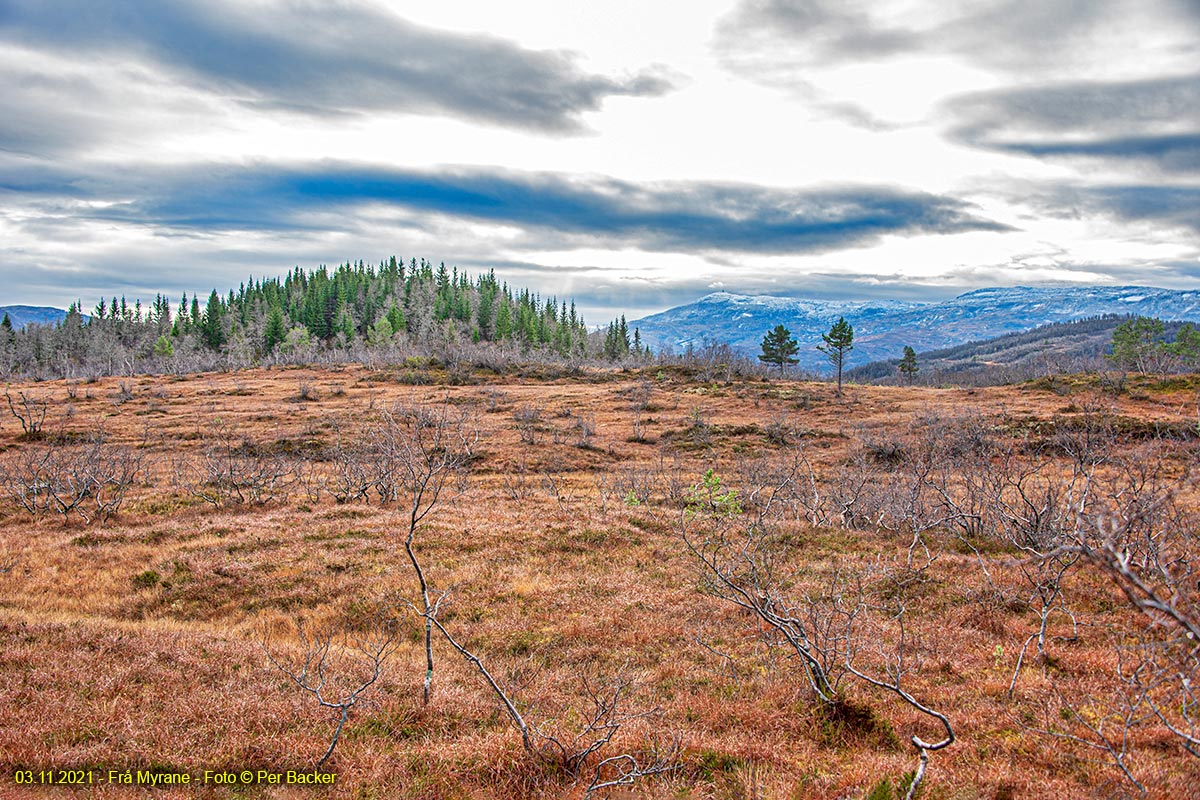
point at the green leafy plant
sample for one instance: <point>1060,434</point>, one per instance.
<point>710,496</point>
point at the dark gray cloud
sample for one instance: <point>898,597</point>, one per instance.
<point>54,110</point>
<point>1028,38</point>
<point>1165,206</point>
<point>553,210</point>
<point>781,42</point>
<point>342,58</point>
<point>1169,209</point>
<point>823,29</point>
<point>1168,153</point>
<point>1084,108</point>
<point>1009,33</point>
<point>1155,122</point>
<point>30,123</point>
<point>778,43</point>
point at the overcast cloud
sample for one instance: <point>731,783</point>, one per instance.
<point>836,149</point>
<point>325,59</point>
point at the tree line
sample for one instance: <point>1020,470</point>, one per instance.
<point>348,309</point>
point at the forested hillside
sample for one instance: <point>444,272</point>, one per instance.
<point>352,311</point>
<point>1058,347</point>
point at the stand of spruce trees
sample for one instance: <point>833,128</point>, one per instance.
<point>353,312</point>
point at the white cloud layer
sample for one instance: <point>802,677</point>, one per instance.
<point>634,155</point>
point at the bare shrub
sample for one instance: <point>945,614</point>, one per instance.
<point>350,475</point>
<point>555,482</point>
<point>896,662</point>
<point>236,471</point>
<point>888,452</point>
<point>29,411</point>
<point>89,480</point>
<point>638,394</point>
<point>1102,722</point>
<point>700,429</point>
<point>430,449</point>
<point>635,486</point>
<point>496,398</point>
<point>1113,382</point>
<point>851,493</point>
<point>575,737</point>
<point>529,421</point>
<point>1159,662</point>
<point>123,394</point>
<point>307,393</point>
<point>323,664</point>
<point>585,429</point>
<point>1117,513</point>
<point>417,451</point>
<point>1036,510</point>
<point>517,480</point>
<point>823,619</point>
<point>639,428</point>
<point>780,430</point>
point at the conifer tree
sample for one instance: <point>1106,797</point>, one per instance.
<point>212,329</point>
<point>163,348</point>
<point>1138,344</point>
<point>275,331</point>
<point>838,342</point>
<point>1186,346</point>
<point>778,347</point>
<point>616,339</point>
<point>380,333</point>
<point>908,364</point>
<point>333,306</point>
<point>504,320</point>
<point>395,318</point>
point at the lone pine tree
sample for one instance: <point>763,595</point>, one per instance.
<point>778,347</point>
<point>838,342</point>
<point>908,364</point>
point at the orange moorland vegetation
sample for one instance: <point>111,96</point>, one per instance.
<point>929,532</point>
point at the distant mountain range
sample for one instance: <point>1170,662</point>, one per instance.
<point>20,316</point>
<point>883,327</point>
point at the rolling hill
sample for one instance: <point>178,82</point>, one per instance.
<point>20,316</point>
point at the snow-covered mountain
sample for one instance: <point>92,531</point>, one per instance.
<point>883,327</point>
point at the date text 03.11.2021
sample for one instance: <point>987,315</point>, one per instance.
<point>55,777</point>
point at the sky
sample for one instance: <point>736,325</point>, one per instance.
<point>631,155</point>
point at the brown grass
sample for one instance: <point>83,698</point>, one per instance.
<point>133,643</point>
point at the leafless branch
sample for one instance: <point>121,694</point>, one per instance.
<point>572,749</point>
<point>31,413</point>
<point>428,452</point>
<point>895,671</point>
<point>319,655</point>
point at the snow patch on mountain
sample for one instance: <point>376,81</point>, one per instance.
<point>883,327</point>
